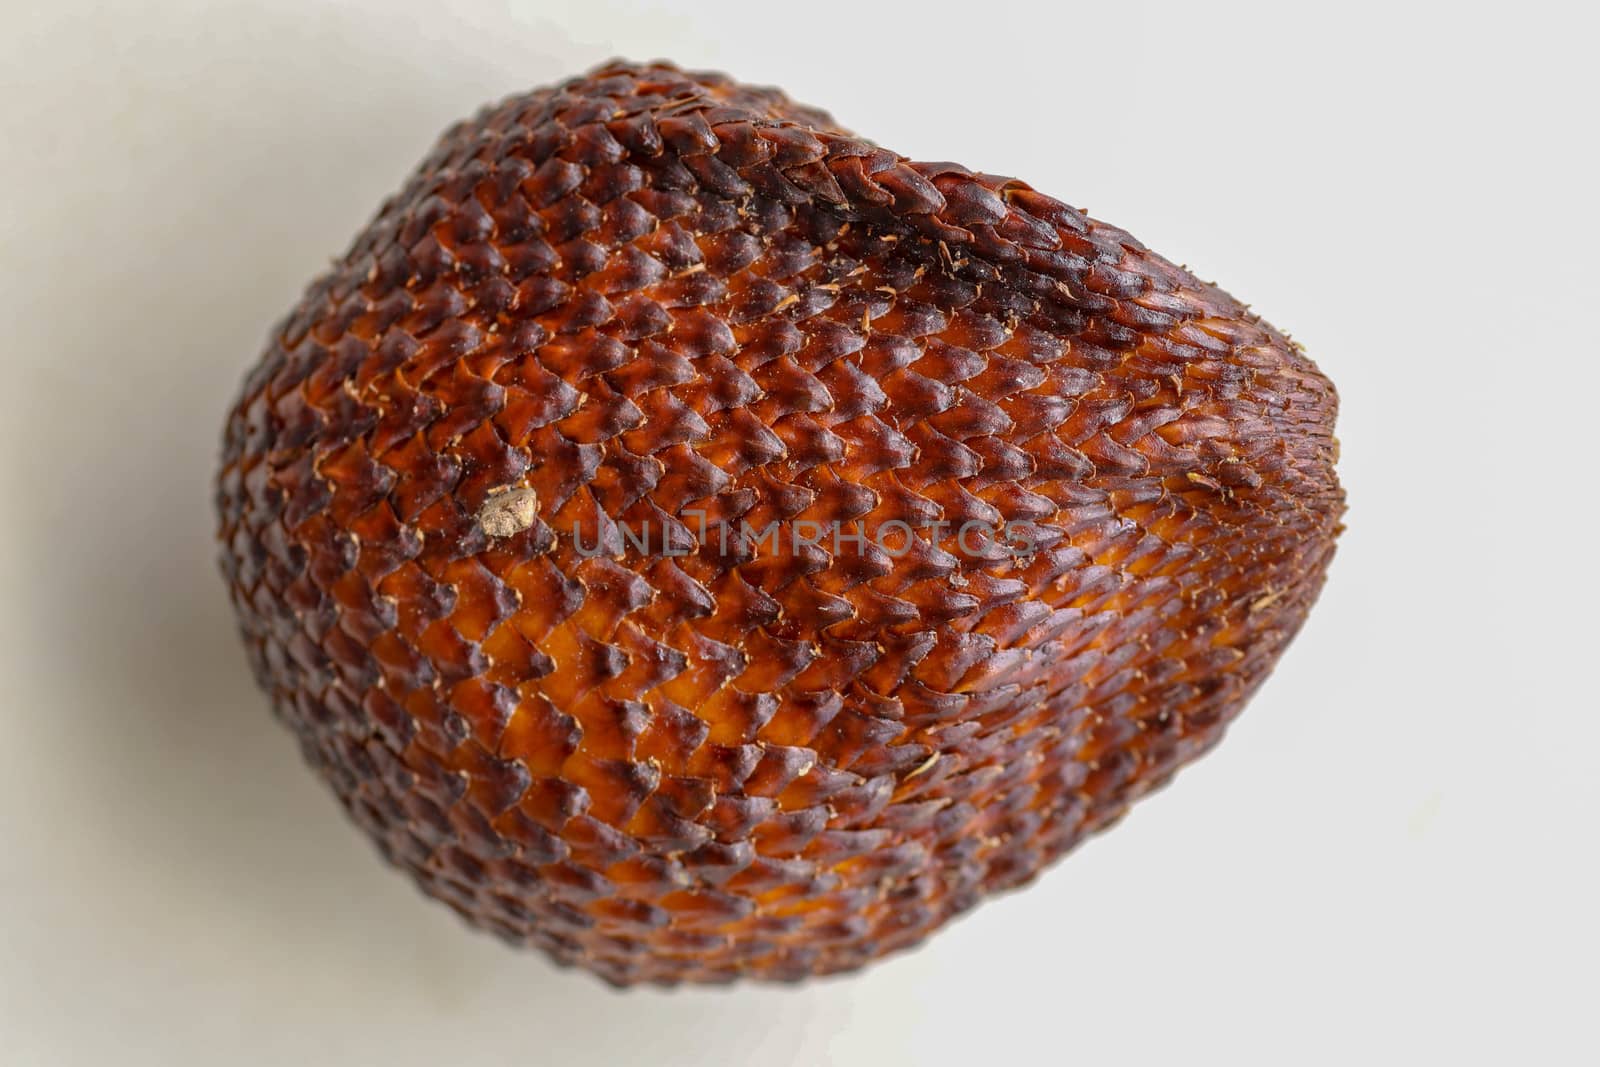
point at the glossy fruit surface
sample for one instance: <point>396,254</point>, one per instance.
<point>700,543</point>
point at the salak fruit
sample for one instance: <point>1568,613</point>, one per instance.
<point>701,543</point>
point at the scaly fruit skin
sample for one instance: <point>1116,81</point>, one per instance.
<point>669,304</point>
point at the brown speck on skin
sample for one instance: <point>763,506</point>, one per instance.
<point>510,512</point>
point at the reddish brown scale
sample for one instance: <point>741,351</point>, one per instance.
<point>645,307</point>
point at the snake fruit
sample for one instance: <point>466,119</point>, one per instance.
<point>700,543</point>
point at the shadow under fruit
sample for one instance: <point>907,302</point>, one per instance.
<point>701,543</point>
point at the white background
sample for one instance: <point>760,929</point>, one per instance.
<point>1392,859</point>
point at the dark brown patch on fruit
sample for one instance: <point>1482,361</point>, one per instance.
<point>645,301</point>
